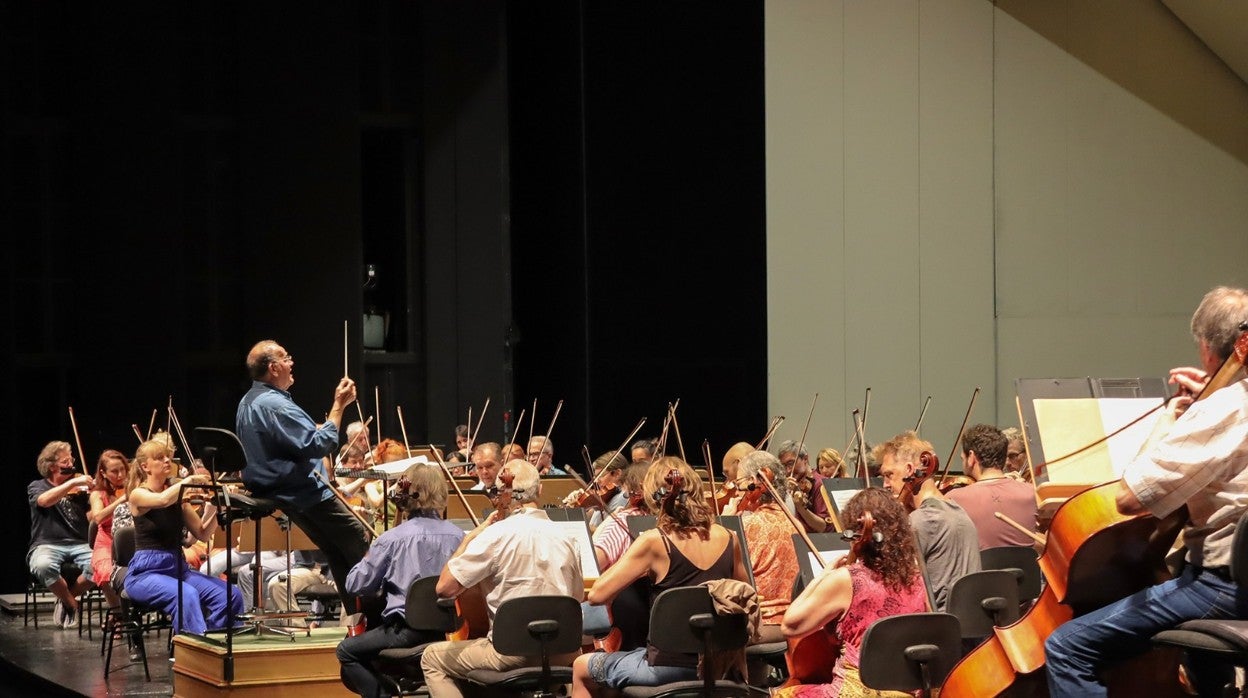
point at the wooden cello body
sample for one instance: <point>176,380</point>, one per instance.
<point>1093,557</point>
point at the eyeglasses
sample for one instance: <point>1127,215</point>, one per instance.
<point>289,358</point>
<point>1012,456</point>
<point>67,460</point>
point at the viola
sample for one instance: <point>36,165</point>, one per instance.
<point>752,499</point>
<point>590,496</point>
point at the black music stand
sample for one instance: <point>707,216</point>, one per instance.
<point>223,452</point>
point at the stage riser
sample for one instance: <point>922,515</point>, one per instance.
<point>268,667</point>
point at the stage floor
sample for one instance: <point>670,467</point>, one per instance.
<point>55,662</point>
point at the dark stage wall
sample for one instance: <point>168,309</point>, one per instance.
<point>564,201</point>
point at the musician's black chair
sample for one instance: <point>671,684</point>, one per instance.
<point>533,626</point>
<point>1224,641</point>
<point>683,620</point>
<point>1022,562</point>
<point>423,611</point>
<point>132,620</point>
<point>982,600</point>
<point>910,652</point>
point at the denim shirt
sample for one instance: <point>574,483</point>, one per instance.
<point>283,446</point>
<point>417,548</point>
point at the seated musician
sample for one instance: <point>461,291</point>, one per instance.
<point>608,471</point>
<point>983,458</point>
<point>808,504</point>
<point>108,492</point>
<point>946,536</point>
<point>884,581</point>
<point>417,548</point>
<point>769,537</point>
<point>516,552</point>
<point>830,463</point>
<point>612,538</point>
<point>541,453</point>
<point>58,529</point>
<point>642,450</point>
<point>158,563</point>
<point>1015,454</point>
<point>307,568</point>
<point>1198,457</point>
<point>386,451</point>
<point>460,454</point>
<point>487,460</point>
<point>353,458</point>
<point>687,548</point>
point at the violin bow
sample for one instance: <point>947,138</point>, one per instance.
<point>338,460</point>
<point>138,434</point>
<point>922,413</point>
<point>860,468</point>
<point>472,435</point>
<point>532,421</point>
<point>956,442</point>
<point>458,492</point>
<point>177,427</point>
<point>710,472</point>
<point>82,457</point>
<point>516,432</point>
<point>151,425</point>
<point>680,444</point>
<point>771,431</point>
<point>407,449</point>
<point>617,452</point>
<point>797,526</point>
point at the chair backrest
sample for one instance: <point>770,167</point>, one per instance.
<point>523,626</point>
<point>123,546</point>
<point>220,448</point>
<point>909,652</point>
<point>1020,558</point>
<point>93,530</point>
<point>422,610</point>
<point>683,620</point>
<point>1239,552</point>
<point>983,599</point>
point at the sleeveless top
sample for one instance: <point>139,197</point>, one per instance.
<point>160,529</point>
<point>681,572</point>
<point>871,601</point>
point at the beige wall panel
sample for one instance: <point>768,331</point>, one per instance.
<point>805,208</point>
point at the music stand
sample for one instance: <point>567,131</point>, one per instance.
<point>223,451</point>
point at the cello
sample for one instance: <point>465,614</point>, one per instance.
<point>1093,556</point>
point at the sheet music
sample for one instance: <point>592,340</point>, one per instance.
<point>1067,425</point>
<point>841,497</point>
<point>829,558</point>
<point>386,471</point>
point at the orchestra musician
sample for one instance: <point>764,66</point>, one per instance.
<point>1196,457</point>
<point>541,453</point>
<point>284,447</point>
<point>487,460</point>
<point>385,514</point>
<point>1015,454</point>
<point>808,504</point>
<point>829,463</point>
<point>160,513</point>
<point>460,454</point>
<point>108,492</point>
<point>608,471</point>
<point>611,538</point>
<point>983,458</point>
<point>686,548</point>
<point>769,537</point>
<point>58,529</point>
<point>417,548</point>
<point>516,552</point>
<point>946,536</point>
<point>642,450</point>
<point>846,600</point>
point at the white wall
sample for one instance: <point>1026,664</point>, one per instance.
<point>954,201</point>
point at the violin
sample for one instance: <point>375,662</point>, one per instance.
<point>724,495</point>
<point>752,499</point>
<point>589,497</point>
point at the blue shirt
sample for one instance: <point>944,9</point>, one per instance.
<point>283,447</point>
<point>417,548</point>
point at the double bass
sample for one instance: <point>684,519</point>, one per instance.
<point>1093,556</point>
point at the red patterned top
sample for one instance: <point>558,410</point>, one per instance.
<point>769,537</point>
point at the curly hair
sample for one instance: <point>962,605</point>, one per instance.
<point>894,557</point>
<point>682,510</point>
<point>388,451</point>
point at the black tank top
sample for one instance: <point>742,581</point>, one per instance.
<point>683,573</point>
<point>159,529</point>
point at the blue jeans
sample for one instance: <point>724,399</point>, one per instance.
<point>1079,649</point>
<point>45,561</point>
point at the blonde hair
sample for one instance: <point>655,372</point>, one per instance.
<point>153,448</point>
<point>48,456</point>
<point>674,492</point>
<point>830,456</point>
<point>427,488</point>
<point>904,447</point>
